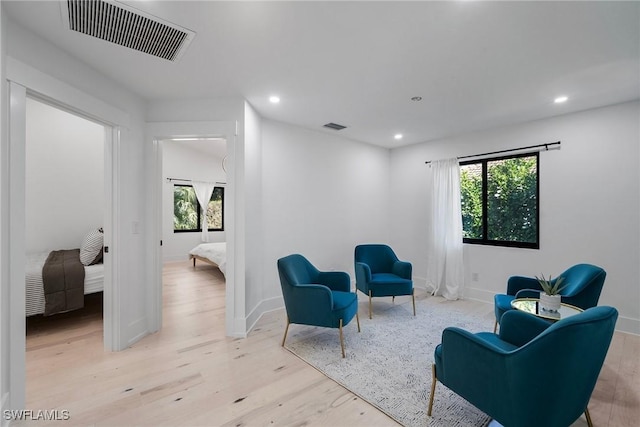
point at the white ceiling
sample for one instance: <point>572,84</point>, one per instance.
<point>475,64</point>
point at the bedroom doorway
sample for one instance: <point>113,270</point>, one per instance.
<point>193,225</point>
<point>219,141</point>
<point>15,223</point>
<point>64,199</point>
<point>65,213</point>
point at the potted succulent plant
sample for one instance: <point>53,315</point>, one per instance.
<point>550,297</point>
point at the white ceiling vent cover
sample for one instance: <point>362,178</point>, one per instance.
<point>129,27</point>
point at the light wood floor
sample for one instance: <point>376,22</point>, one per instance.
<point>190,374</point>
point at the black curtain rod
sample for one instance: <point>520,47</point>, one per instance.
<point>546,148</point>
<point>189,180</point>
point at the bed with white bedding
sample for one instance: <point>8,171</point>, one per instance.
<point>211,253</point>
<point>93,281</point>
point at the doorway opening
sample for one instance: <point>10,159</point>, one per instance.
<point>65,212</point>
<point>193,222</point>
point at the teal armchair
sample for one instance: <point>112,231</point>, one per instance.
<point>583,285</point>
<point>533,373</point>
<point>316,298</point>
<point>379,273</point>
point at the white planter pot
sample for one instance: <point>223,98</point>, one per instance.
<point>550,303</point>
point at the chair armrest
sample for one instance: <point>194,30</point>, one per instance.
<point>517,283</point>
<point>335,280</point>
<point>363,274</point>
<point>402,269</point>
<point>518,328</point>
<point>528,293</point>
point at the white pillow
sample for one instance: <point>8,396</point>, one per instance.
<point>91,249</point>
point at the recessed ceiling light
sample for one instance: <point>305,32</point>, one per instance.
<point>561,99</point>
<point>274,99</point>
<point>397,136</point>
<point>416,98</point>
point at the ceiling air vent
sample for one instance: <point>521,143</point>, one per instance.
<point>129,27</point>
<point>334,126</point>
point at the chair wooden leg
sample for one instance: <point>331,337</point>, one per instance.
<point>285,331</point>
<point>358,321</point>
<point>586,414</point>
<point>369,304</point>
<point>341,339</point>
<point>495,326</point>
<point>433,388</point>
<point>413,298</point>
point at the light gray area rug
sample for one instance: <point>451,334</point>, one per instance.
<point>389,363</point>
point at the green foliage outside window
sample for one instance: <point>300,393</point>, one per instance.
<point>214,210</point>
<point>186,209</point>
<point>471,199</point>
<point>511,207</point>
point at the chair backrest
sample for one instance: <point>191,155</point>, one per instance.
<point>380,258</point>
<point>295,270</point>
<point>559,368</point>
<point>583,285</point>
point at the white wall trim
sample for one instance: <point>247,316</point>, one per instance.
<point>16,256</point>
<point>48,89</point>
<point>56,92</point>
<point>234,290</point>
<point>139,330</point>
<point>265,306</point>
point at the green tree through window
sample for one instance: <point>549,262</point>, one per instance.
<point>186,209</point>
<point>500,201</point>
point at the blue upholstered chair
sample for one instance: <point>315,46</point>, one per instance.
<point>379,273</point>
<point>316,298</point>
<point>534,373</point>
<point>583,284</point>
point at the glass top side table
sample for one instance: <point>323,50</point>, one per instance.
<point>532,306</point>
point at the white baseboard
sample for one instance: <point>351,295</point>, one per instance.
<point>263,307</point>
<point>628,325</point>
<point>138,330</point>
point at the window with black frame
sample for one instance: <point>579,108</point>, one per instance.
<point>187,212</point>
<point>500,201</point>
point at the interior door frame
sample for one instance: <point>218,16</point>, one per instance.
<point>25,81</point>
<point>156,133</point>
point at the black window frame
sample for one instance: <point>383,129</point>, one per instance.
<point>485,228</point>
<point>199,212</point>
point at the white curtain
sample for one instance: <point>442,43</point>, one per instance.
<point>203,190</point>
<point>445,266</point>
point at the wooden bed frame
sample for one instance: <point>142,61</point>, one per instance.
<point>205,260</point>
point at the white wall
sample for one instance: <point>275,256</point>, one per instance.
<point>322,195</point>
<point>179,161</point>
<point>64,178</point>
<point>589,204</point>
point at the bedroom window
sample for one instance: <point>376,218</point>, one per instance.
<point>500,201</point>
<point>186,209</point>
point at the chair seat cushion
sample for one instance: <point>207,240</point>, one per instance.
<point>502,304</point>
<point>345,306</point>
<point>387,284</point>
